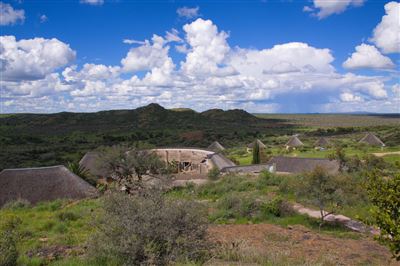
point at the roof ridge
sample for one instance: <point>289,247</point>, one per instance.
<point>34,168</point>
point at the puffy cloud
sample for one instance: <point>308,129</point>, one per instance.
<point>349,97</point>
<point>208,49</point>
<point>93,2</point>
<point>386,35</point>
<point>91,72</point>
<point>211,74</point>
<point>324,8</point>
<point>282,59</point>
<point>50,84</point>
<point>188,12</point>
<point>147,56</point>
<point>9,15</point>
<point>367,56</point>
<point>30,59</point>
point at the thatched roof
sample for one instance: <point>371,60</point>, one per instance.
<point>221,161</point>
<point>294,142</point>
<point>371,139</point>
<point>322,142</point>
<point>260,144</point>
<point>297,165</point>
<point>42,184</point>
<point>216,147</point>
<point>91,162</point>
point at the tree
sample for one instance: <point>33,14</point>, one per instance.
<point>323,190</point>
<point>128,166</point>
<point>340,156</point>
<point>384,192</point>
<point>256,153</point>
<point>81,171</point>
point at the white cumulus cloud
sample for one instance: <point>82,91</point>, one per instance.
<point>325,8</point>
<point>386,35</point>
<point>9,15</point>
<point>349,97</point>
<point>30,59</point>
<point>367,56</point>
<point>151,54</point>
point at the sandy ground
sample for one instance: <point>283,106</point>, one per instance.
<point>381,154</point>
<point>297,243</point>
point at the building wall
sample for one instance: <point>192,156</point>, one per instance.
<point>197,157</point>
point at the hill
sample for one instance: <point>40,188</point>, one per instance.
<point>48,139</point>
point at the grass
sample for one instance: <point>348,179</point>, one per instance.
<point>51,224</point>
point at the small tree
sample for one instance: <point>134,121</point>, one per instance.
<point>256,153</point>
<point>149,229</point>
<point>128,166</point>
<point>385,195</point>
<point>340,156</point>
<point>323,190</point>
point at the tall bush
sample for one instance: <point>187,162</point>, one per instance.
<point>149,229</point>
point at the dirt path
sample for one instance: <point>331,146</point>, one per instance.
<point>381,154</point>
<point>338,218</point>
<point>255,244</point>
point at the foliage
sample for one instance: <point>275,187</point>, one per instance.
<point>256,153</point>
<point>268,179</point>
<point>149,229</point>
<point>128,166</point>
<point>341,157</point>
<point>323,190</point>
<point>81,171</point>
<point>8,240</point>
<point>213,174</point>
<point>384,193</point>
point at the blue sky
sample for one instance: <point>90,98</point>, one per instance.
<point>262,56</point>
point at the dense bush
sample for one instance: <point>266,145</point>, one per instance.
<point>67,216</point>
<point>8,240</point>
<point>268,179</point>
<point>213,174</point>
<point>235,205</point>
<point>149,229</point>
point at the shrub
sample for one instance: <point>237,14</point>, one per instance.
<point>268,179</point>
<point>17,204</point>
<point>149,229</point>
<point>235,205</point>
<point>67,216</point>
<point>213,174</point>
<point>8,241</point>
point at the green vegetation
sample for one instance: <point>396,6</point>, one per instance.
<point>49,139</point>
<point>385,195</point>
<point>149,229</point>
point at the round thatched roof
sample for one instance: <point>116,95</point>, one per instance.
<point>216,147</point>
<point>260,144</point>
<point>322,142</point>
<point>294,142</point>
<point>371,139</point>
<point>42,184</point>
